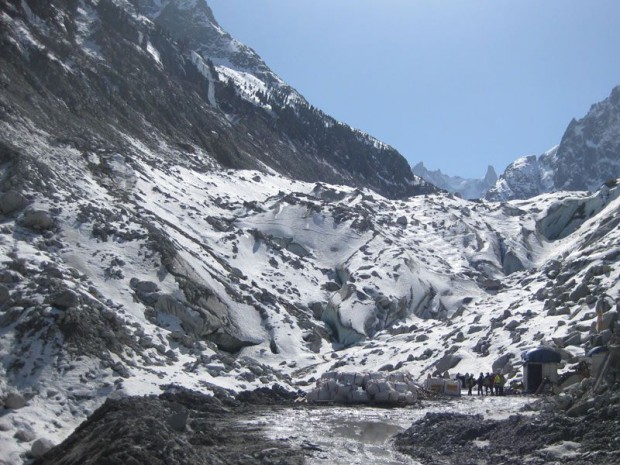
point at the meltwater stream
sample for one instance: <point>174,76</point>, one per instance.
<point>363,435</point>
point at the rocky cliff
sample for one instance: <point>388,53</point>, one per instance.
<point>587,156</point>
<point>117,76</point>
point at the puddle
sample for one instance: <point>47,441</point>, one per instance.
<point>363,435</point>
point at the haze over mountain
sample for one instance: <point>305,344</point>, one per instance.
<point>466,188</point>
<point>173,214</point>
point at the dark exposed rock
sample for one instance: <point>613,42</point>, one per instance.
<point>584,160</point>
<point>40,447</point>
<point>454,439</point>
<point>11,202</point>
<point>140,431</point>
<point>37,220</point>
<point>65,299</point>
<point>14,401</point>
<point>124,91</point>
<point>4,294</point>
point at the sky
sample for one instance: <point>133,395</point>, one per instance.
<point>457,84</point>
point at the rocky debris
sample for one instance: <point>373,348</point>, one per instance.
<point>360,388</point>
<point>578,426</point>
<point>179,427</point>
<point>274,395</point>
<point>454,439</point>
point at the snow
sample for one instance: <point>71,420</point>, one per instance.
<point>563,450</point>
<point>285,264</point>
<point>205,70</point>
<point>153,52</point>
<point>288,238</point>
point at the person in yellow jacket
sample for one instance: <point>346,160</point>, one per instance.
<point>496,383</point>
<point>500,380</point>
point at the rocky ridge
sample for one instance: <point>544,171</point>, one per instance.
<point>586,157</point>
<point>116,76</point>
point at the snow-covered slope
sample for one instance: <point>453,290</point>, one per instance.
<point>132,259</point>
<point>466,188</point>
<point>588,156</point>
<point>122,275</point>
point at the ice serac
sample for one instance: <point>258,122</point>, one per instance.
<point>587,156</point>
<point>466,188</point>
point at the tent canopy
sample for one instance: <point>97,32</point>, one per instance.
<point>541,355</point>
<point>597,350</point>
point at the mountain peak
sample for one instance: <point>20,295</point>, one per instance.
<point>586,157</point>
<point>467,188</point>
<point>490,177</point>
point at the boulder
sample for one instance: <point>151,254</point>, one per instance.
<point>24,435</point>
<point>573,339</point>
<point>609,319</point>
<point>143,287</point>
<point>503,363</point>
<point>446,363</point>
<point>10,276</point>
<point>580,292</point>
<point>37,220</point>
<point>40,447</point>
<point>65,299</point>
<point>14,400</point>
<point>402,220</point>
<point>12,201</point>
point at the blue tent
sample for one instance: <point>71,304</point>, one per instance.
<point>541,355</point>
<point>597,350</point>
<point>539,365</point>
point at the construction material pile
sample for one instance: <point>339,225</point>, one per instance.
<point>361,388</point>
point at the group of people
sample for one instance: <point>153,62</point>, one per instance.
<point>491,382</point>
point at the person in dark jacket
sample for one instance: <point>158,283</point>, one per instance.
<point>480,383</point>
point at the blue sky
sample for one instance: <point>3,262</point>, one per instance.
<point>457,84</point>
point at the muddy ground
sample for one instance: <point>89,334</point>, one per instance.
<point>547,438</point>
<point>188,428</point>
<point>179,427</point>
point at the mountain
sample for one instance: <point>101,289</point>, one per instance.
<point>587,156</point>
<point>121,76</point>
<point>136,260</point>
<point>466,188</point>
